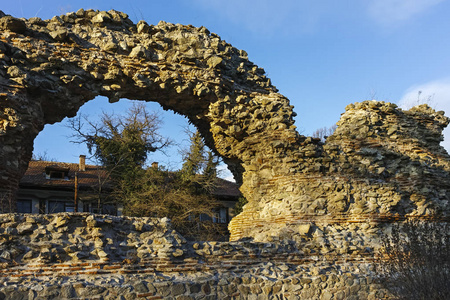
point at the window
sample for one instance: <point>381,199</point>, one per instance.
<point>60,206</point>
<point>86,207</point>
<point>56,175</point>
<point>55,207</point>
<point>56,172</point>
<point>204,218</point>
<point>24,206</point>
<point>42,206</point>
<point>109,209</point>
<point>220,215</point>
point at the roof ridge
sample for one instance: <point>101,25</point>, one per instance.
<point>44,162</point>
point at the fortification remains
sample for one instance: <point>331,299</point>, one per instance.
<point>326,200</point>
<point>80,255</point>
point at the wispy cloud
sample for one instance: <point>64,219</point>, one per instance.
<point>436,94</point>
<point>393,12</point>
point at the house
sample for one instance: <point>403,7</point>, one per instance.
<point>51,187</point>
<point>227,195</point>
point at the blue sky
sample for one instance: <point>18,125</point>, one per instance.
<point>321,54</point>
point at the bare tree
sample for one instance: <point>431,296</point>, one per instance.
<point>121,140</point>
<point>161,193</point>
<point>324,132</point>
<point>120,144</point>
<point>43,156</point>
<point>184,196</point>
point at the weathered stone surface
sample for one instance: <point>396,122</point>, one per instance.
<point>59,35</point>
<point>59,64</point>
<point>85,237</point>
<point>382,164</point>
<point>222,270</point>
<point>12,24</point>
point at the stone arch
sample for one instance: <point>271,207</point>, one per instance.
<point>52,67</point>
<point>382,164</point>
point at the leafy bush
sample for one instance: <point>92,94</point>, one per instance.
<point>415,260</point>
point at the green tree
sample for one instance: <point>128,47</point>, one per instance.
<point>210,170</point>
<point>121,144</point>
<point>239,206</point>
<point>200,165</point>
<point>194,158</point>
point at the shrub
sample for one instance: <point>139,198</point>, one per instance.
<point>415,260</point>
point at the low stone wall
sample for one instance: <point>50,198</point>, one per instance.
<point>83,256</point>
<point>204,281</point>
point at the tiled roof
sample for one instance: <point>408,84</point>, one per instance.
<point>225,188</point>
<point>35,175</point>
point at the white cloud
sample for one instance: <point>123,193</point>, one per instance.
<point>391,12</point>
<point>436,94</point>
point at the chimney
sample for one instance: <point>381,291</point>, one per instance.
<point>82,165</point>
<point>155,165</point>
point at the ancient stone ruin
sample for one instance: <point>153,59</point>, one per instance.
<point>308,200</point>
<point>84,256</point>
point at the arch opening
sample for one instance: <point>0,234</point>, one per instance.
<point>55,141</point>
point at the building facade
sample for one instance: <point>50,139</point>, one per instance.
<point>53,187</point>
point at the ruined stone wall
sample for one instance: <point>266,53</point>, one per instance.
<point>84,256</point>
<point>49,68</point>
<point>382,164</point>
